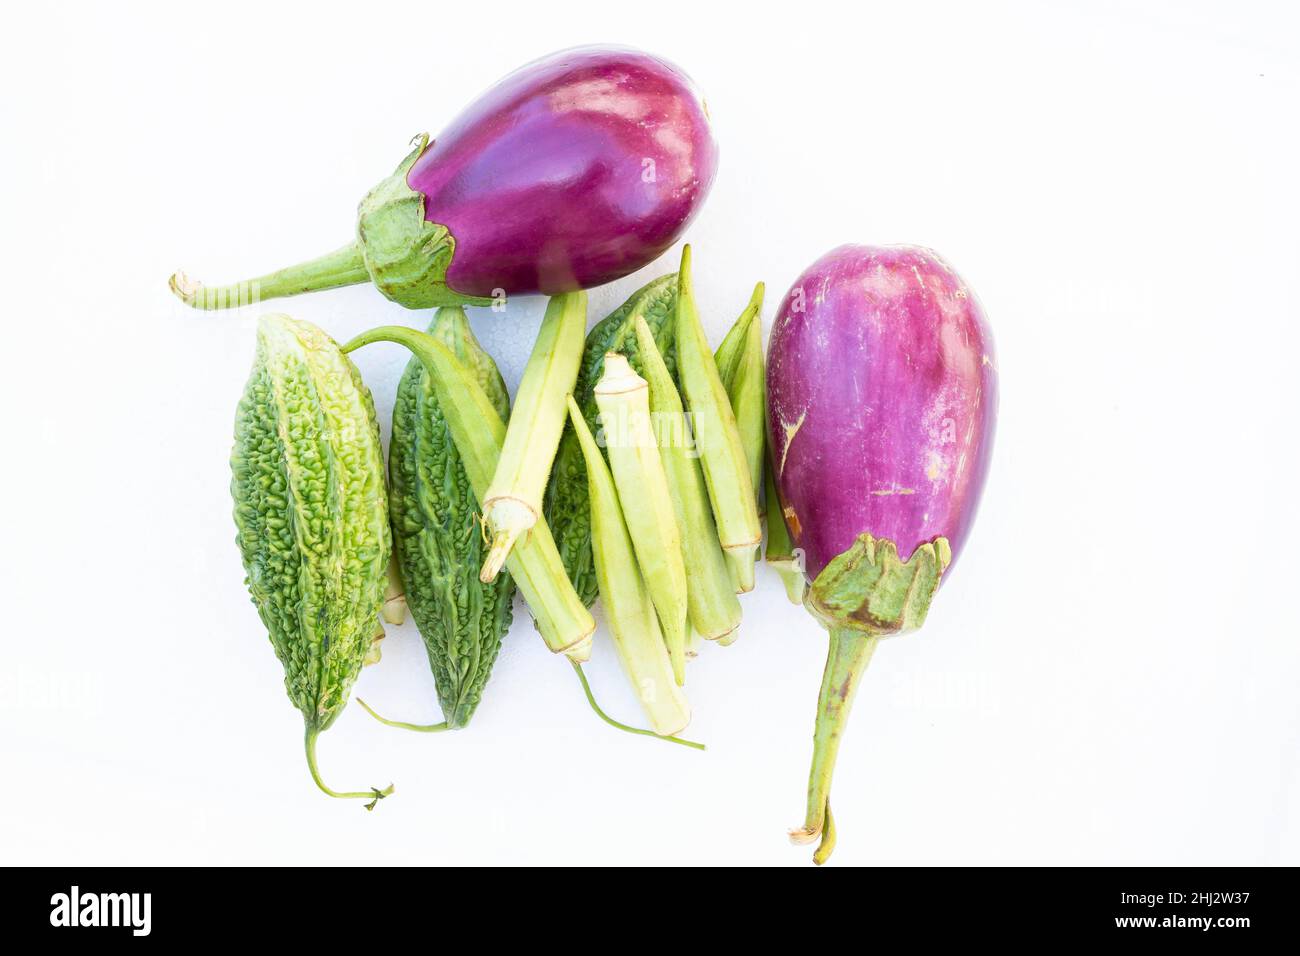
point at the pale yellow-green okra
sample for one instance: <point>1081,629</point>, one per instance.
<point>629,611</point>
<point>780,549</point>
<point>393,610</point>
<point>623,398</point>
<point>565,623</point>
<point>717,437</point>
<point>513,501</point>
<point>740,366</point>
<point>712,607</point>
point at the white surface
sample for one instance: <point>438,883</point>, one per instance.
<point>1109,677</point>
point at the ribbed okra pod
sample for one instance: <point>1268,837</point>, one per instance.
<point>394,609</point>
<point>712,606</point>
<point>512,503</point>
<point>740,366</point>
<point>623,398</point>
<point>567,509</point>
<point>717,438</point>
<point>478,431</point>
<point>780,549</point>
<point>629,610</point>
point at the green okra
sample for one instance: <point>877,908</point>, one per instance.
<point>780,548</point>
<point>740,366</point>
<point>712,606</point>
<point>477,429</point>
<point>394,608</point>
<point>629,611</point>
<point>717,437</point>
<point>623,398</point>
<point>512,503</point>
<point>567,508</point>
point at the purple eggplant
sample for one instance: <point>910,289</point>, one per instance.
<point>882,399</point>
<point>571,172</point>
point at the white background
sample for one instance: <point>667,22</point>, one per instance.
<point>1109,677</point>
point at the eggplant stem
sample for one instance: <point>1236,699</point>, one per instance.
<point>374,795</point>
<point>827,846</point>
<point>420,728</point>
<point>847,658</point>
<point>591,699</point>
<point>341,267</point>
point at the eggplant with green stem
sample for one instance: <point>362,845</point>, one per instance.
<point>512,503</point>
<point>629,610</point>
<point>623,398</point>
<point>712,607</point>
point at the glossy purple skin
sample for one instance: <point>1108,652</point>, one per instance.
<point>885,356</point>
<point>545,180</point>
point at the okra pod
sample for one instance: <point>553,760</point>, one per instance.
<point>780,549</point>
<point>740,366</point>
<point>623,398</point>
<point>478,431</point>
<point>393,610</point>
<point>629,610</point>
<point>711,601</point>
<point>721,450</point>
<point>513,501</point>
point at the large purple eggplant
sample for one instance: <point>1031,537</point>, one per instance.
<point>573,171</point>
<point>882,398</point>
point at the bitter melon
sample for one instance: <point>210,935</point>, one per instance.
<point>568,505</point>
<point>438,544</point>
<point>312,517</point>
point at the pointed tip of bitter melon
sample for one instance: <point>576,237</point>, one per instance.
<point>379,795</point>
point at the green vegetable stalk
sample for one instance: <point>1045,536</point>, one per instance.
<point>712,607</point>
<point>311,511</point>
<point>623,398</point>
<point>628,609</point>
<point>740,366</point>
<point>478,433</point>
<point>721,448</point>
<point>513,501</point>
<point>436,542</point>
<point>567,508</point>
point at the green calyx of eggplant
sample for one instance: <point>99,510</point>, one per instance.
<point>396,248</point>
<point>868,588</point>
<point>406,256</point>
<point>865,593</point>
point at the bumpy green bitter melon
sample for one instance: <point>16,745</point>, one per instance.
<point>312,517</point>
<point>438,544</point>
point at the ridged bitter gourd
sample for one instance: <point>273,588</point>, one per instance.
<point>312,517</point>
<point>438,544</point>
